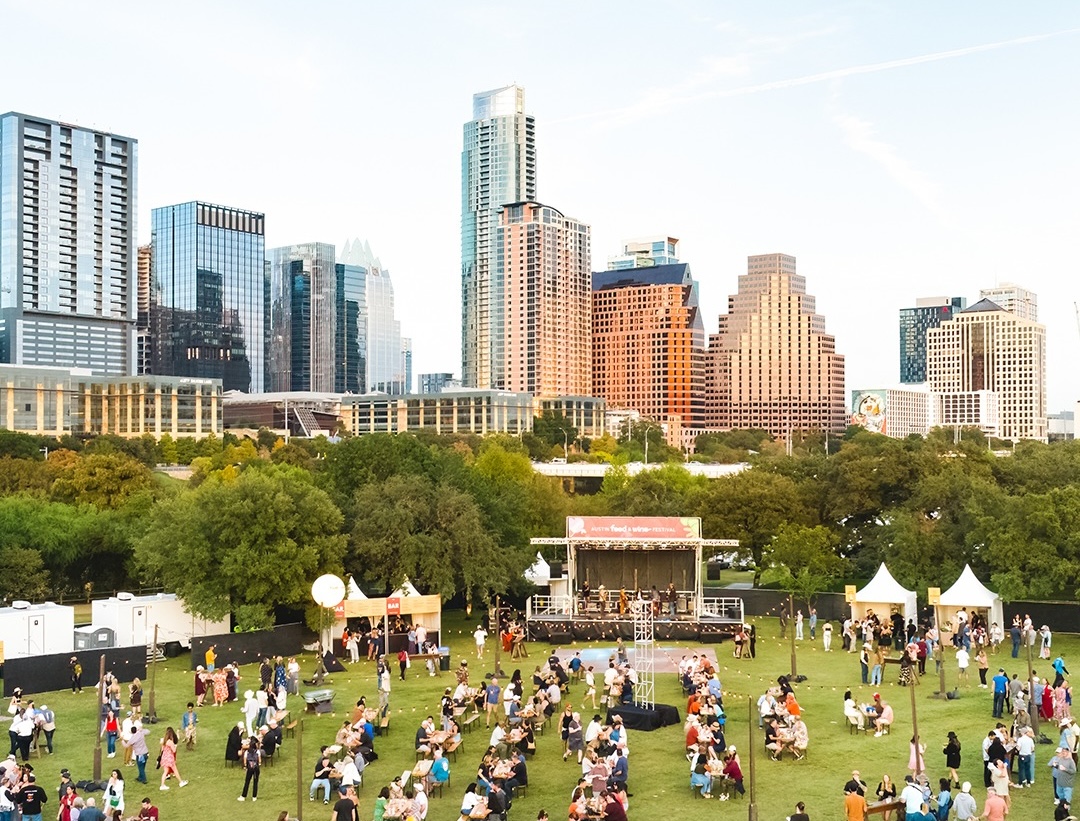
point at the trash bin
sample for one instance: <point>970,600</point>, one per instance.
<point>444,659</point>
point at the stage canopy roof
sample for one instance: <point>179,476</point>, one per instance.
<point>885,592</point>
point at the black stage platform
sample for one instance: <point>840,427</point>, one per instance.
<point>564,631</point>
<point>639,718</point>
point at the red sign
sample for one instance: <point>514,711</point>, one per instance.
<point>393,607</point>
<point>633,527</point>
<point>339,610</point>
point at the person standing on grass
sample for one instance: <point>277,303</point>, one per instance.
<point>31,798</point>
<point>251,757</point>
<point>480,636</point>
<point>113,799</point>
<point>168,758</point>
<point>491,701</point>
<point>854,806</point>
<point>136,743</point>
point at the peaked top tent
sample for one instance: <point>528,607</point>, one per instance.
<point>970,594</point>
<point>883,594</point>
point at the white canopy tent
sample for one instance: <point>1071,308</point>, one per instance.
<point>540,572</point>
<point>971,595</point>
<point>883,595</point>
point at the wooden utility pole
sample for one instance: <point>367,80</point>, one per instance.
<point>97,718</point>
<point>497,630</point>
<point>300,770</point>
<point>151,710</point>
<point>934,598</point>
<point>915,729</point>
<point>791,627</point>
<point>751,808</point>
<point>1033,708</point>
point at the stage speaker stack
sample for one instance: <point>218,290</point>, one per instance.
<point>556,570</point>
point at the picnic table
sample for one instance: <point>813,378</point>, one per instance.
<point>397,808</point>
<point>422,768</point>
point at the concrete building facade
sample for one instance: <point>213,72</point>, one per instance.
<point>772,365</point>
<point>986,348</point>
<point>648,342</point>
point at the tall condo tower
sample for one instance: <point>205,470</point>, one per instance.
<point>498,166</point>
<point>67,246</point>
<point>772,366</point>
<point>303,294</point>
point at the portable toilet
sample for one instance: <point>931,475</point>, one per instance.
<point>133,619</point>
<point>91,637</point>
<point>36,629</point>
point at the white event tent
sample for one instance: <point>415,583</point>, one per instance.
<point>884,594</point>
<point>970,594</point>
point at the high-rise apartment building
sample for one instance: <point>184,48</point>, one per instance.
<point>986,348</point>
<point>544,260</point>
<point>1014,299</point>
<point>644,253</point>
<point>303,286</point>
<point>498,166</point>
<point>771,365</point>
<point>67,246</point>
<point>648,342</point>
<point>929,312</point>
<point>144,341</point>
<point>437,382</point>
<point>210,294</point>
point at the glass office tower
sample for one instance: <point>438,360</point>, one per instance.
<point>350,341</point>
<point>302,317</point>
<point>929,312</point>
<point>67,246</point>
<point>209,294</point>
<point>498,166</point>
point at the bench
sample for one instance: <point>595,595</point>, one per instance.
<point>425,656</point>
<point>319,701</point>
<point>468,723</point>
<point>451,748</point>
<point>384,725</point>
<point>290,728</point>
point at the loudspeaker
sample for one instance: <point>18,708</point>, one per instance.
<point>712,573</point>
<point>556,570</point>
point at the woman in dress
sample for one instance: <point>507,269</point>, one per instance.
<point>916,761</point>
<point>281,677</point>
<point>67,800</point>
<point>886,791</point>
<point>952,757</point>
<point>221,687</point>
<point>380,804</point>
<point>575,742</point>
<point>200,685</point>
<point>999,780</point>
<point>564,729</point>
<point>168,758</point>
<point>135,693</point>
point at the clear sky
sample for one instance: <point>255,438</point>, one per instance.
<point>898,150</point>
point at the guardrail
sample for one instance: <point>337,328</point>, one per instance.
<point>728,609</point>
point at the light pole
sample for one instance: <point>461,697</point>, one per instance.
<point>647,429</point>
<point>565,446</point>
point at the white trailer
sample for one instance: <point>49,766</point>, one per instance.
<point>29,630</point>
<point>133,618</point>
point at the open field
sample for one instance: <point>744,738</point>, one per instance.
<point>659,773</point>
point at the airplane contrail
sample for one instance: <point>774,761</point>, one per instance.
<point>823,76</point>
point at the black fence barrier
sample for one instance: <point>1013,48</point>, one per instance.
<point>43,674</point>
<point>248,648</point>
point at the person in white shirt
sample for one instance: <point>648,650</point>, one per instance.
<point>480,636</point>
<point>826,636</point>
<point>592,732</point>
<point>349,774</point>
<point>963,658</point>
<point>251,711</point>
<point>1025,751</point>
<point>912,796</point>
<point>126,727</point>
<point>420,803</point>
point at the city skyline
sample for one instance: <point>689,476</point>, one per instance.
<point>897,154</point>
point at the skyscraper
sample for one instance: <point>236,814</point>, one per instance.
<point>771,365</point>
<point>350,339</point>
<point>498,166</point>
<point>929,312</point>
<point>648,342</point>
<point>67,246</point>
<point>387,360</point>
<point>644,253</point>
<point>1014,299</point>
<point>210,294</point>
<point>986,348</point>
<point>303,306</point>
<point>544,260</point>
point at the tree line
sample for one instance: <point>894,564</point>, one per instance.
<point>259,519</point>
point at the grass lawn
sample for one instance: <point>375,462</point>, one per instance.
<point>659,773</point>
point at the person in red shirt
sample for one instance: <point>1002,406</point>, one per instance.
<point>148,812</point>
<point>692,734</point>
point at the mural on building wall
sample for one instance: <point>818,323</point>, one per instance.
<point>869,410</point>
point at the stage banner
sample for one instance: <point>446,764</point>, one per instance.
<point>633,527</point>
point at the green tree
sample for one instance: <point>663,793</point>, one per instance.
<point>104,480</point>
<point>751,506</point>
<point>244,542</point>
<point>434,535</point>
<point>22,575</point>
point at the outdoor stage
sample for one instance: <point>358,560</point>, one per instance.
<point>656,559</point>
